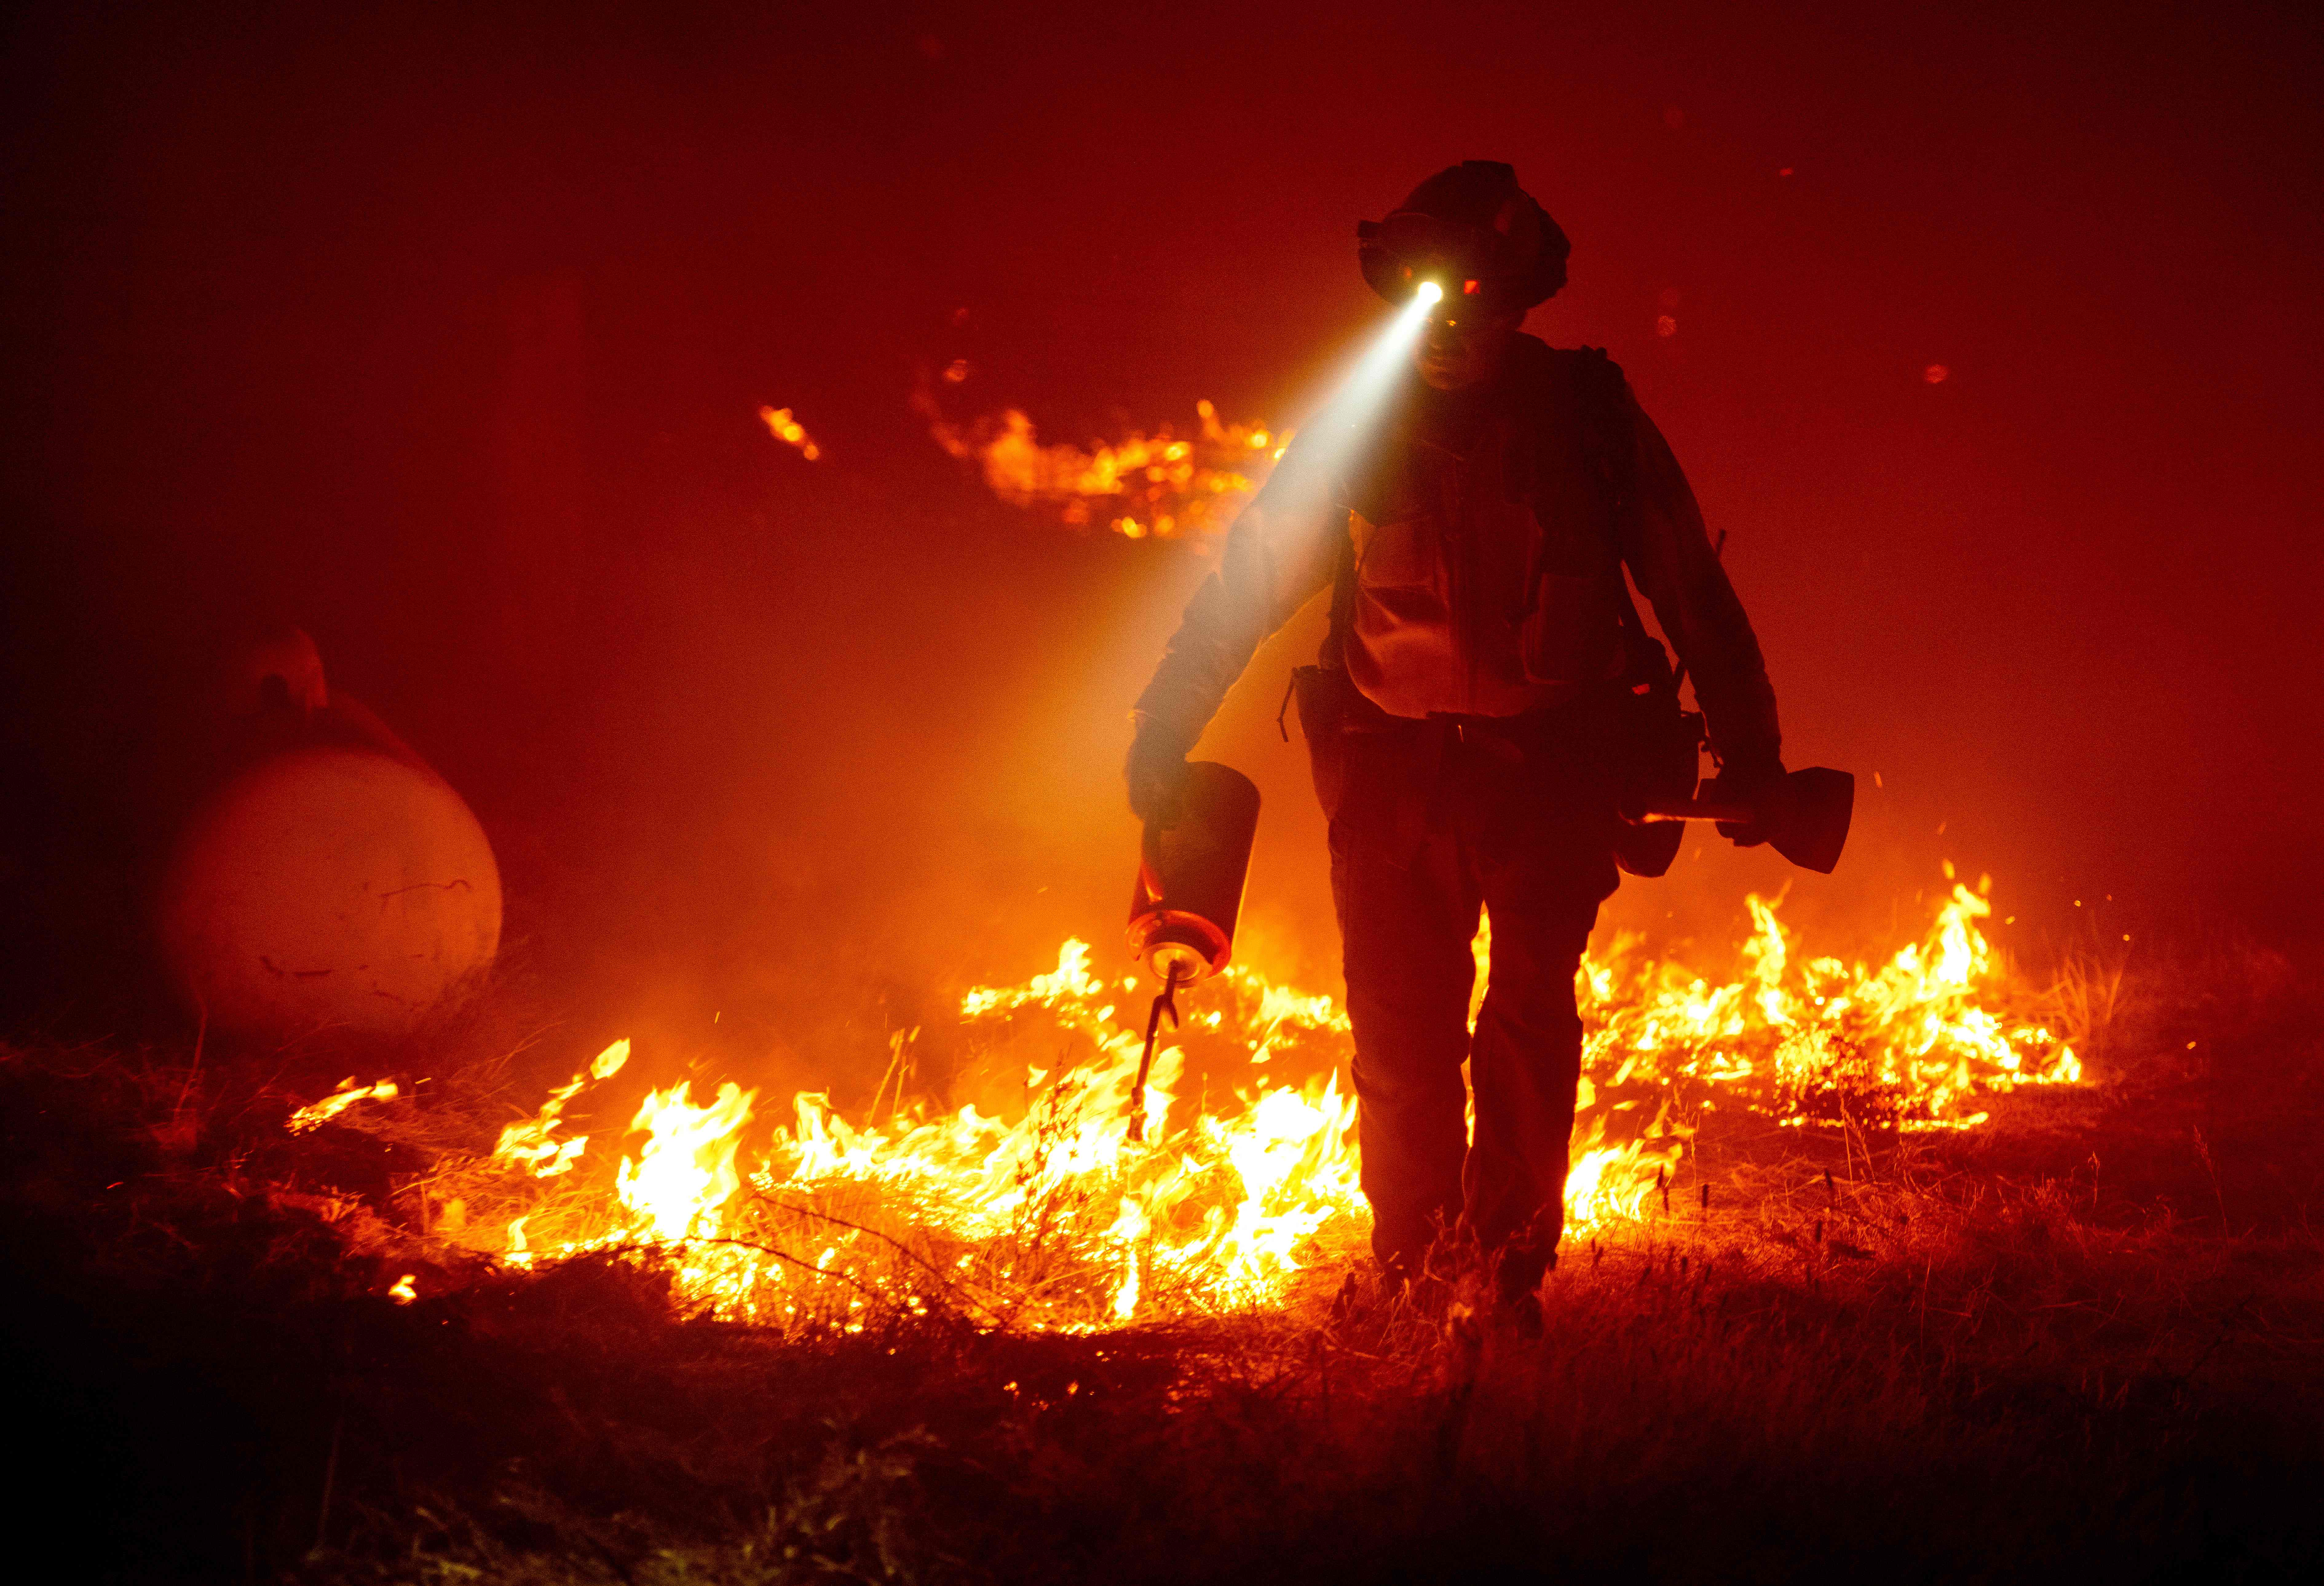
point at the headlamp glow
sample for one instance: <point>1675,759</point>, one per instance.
<point>1328,440</point>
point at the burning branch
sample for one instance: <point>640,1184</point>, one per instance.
<point>1159,484</point>
<point>331,1106</point>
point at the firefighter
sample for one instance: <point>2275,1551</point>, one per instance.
<point>1484,696</point>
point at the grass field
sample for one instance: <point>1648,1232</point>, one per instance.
<point>2086,1341</point>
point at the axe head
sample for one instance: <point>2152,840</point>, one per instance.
<point>1809,823</point>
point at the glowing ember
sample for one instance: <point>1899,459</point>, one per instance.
<point>331,1106</point>
<point>1160,485</point>
<point>789,431</point>
<point>1052,1218</point>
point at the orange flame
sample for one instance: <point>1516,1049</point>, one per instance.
<point>331,1106</point>
<point>1159,484</point>
<point>685,1175</point>
<point>533,1143</point>
<point>1907,1045</point>
<point>1053,1218</point>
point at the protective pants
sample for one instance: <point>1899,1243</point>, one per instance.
<point>1429,821</point>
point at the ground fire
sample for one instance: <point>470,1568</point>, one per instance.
<point>1048,1217</point>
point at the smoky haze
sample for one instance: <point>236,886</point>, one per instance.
<point>444,337</point>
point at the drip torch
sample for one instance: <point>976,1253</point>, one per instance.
<point>1189,889</point>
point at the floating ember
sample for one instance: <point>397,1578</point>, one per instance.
<point>787,429</point>
<point>1050,1217</point>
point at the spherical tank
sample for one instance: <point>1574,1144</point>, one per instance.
<point>327,876</point>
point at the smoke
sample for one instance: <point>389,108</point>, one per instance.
<point>461,370</point>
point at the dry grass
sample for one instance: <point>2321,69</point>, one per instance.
<point>2014,1355</point>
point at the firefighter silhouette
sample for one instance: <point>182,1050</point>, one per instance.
<point>1485,698</point>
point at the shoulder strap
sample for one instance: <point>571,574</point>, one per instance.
<point>1613,467</point>
<point>1343,602</point>
<point>1599,380</point>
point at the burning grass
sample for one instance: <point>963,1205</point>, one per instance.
<point>1028,1206</point>
<point>1815,1349</point>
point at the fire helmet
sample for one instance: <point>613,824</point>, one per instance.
<point>1475,232</point>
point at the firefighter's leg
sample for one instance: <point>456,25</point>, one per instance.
<point>1541,896</point>
<point>1407,917</point>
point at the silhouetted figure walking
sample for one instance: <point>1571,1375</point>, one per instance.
<point>1486,690</point>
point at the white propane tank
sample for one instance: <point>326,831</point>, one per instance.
<point>328,878</point>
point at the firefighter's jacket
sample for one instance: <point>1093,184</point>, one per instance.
<point>1475,542</point>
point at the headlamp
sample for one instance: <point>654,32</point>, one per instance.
<point>1472,230</point>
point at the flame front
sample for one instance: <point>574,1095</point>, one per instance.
<point>1044,1215</point>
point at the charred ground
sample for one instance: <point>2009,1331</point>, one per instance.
<point>2085,1338</point>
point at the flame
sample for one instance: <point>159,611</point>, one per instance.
<point>532,1144</point>
<point>789,431</point>
<point>1050,1217</point>
<point>404,1290</point>
<point>1906,1044</point>
<point>331,1106</point>
<point>1158,484</point>
<point>685,1174</point>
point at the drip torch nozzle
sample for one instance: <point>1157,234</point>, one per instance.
<point>1189,889</point>
<point>1166,1000</point>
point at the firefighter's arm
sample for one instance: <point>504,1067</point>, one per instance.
<point>1280,551</point>
<point>1671,555</point>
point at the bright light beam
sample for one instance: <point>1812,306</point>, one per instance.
<point>1343,421</point>
<point>1345,418</point>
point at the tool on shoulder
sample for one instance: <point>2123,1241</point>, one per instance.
<point>1188,894</point>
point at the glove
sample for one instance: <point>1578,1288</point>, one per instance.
<point>1759,788</point>
<point>1157,775</point>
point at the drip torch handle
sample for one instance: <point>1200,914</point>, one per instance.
<point>1696,809</point>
